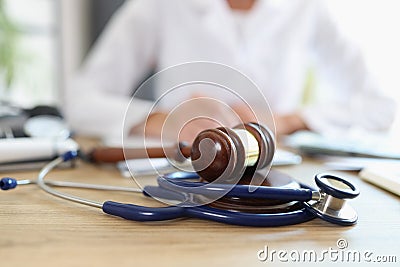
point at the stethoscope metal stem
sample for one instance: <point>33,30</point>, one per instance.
<point>317,195</point>
<point>328,203</point>
<point>42,184</point>
<point>83,186</point>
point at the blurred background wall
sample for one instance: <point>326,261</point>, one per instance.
<point>50,38</point>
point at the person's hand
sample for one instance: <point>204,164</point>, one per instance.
<point>159,125</point>
<point>187,120</point>
<point>285,124</point>
<point>184,123</point>
<point>289,123</point>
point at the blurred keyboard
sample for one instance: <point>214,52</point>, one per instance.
<point>313,144</point>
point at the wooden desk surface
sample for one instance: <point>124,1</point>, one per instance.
<point>37,229</point>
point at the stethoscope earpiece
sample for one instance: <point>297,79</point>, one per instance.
<point>8,183</point>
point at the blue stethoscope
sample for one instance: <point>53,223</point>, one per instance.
<point>329,203</point>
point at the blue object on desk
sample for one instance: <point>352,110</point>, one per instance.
<point>328,204</point>
<point>140,213</point>
<point>8,183</point>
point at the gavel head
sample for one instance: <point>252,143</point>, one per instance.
<point>223,153</point>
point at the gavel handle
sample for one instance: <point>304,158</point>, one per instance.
<point>116,154</point>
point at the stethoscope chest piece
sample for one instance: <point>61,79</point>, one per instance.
<point>331,204</point>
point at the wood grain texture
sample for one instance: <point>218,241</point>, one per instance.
<point>37,229</point>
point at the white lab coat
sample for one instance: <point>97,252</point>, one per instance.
<point>272,44</point>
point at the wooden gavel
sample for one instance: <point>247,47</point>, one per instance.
<point>215,153</point>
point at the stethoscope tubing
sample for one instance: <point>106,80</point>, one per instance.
<point>143,214</point>
<point>241,191</point>
<point>146,214</point>
<point>186,192</point>
<point>188,208</point>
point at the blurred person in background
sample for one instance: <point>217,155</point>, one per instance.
<point>270,41</point>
